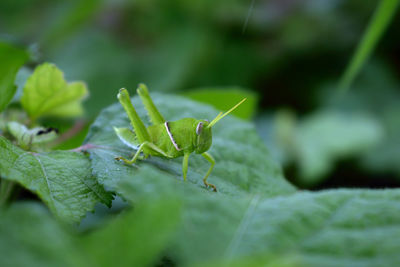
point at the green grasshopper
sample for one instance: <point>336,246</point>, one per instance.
<point>169,139</point>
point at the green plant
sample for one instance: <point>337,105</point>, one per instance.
<point>80,207</point>
<point>256,218</point>
<point>380,21</point>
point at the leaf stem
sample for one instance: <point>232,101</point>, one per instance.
<point>76,128</point>
<point>379,22</point>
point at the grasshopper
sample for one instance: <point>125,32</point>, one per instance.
<point>169,139</point>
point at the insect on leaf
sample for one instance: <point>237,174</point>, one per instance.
<point>243,164</point>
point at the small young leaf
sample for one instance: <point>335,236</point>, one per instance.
<point>243,164</point>
<point>11,59</point>
<point>62,179</point>
<point>46,93</point>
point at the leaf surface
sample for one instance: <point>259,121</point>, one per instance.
<point>328,228</point>
<point>135,238</point>
<point>62,179</point>
<point>31,237</point>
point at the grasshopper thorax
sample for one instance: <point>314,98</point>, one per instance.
<point>203,136</point>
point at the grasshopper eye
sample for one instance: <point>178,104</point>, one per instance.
<point>199,128</point>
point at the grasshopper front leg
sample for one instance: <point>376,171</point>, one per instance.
<point>149,146</point>
<point>210,159</point>
<point>185,164</point>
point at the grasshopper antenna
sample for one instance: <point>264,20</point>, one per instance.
<point>220,115</point>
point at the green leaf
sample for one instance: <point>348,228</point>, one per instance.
<point>62,179</point>
<point>381,102</point>
<point>243,164</point>
<point>327,136</point>
<point>316,142</point>
<point>329,228</point>
<point>46,93</point>
<point>73,108</point>
<point>265,260</point>
<point>225,98</point>
<point>31,237</point>
<point>385,156</point>
<point>11,59</point>
<point>136,238</point>
<point>384,14</point>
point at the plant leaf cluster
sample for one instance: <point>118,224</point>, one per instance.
<point>257,218</point>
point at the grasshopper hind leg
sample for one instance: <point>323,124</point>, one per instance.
<point>154,114</point>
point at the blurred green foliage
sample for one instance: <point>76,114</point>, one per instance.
<point>317,141</point>
<point>176,45</point>
<point>378,93</point>
<point>286,57</point>
<point>11,59</point>
<point>144,231</point>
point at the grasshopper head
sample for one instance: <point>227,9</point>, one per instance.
<point>203,136</point>
<point>203,130</point>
